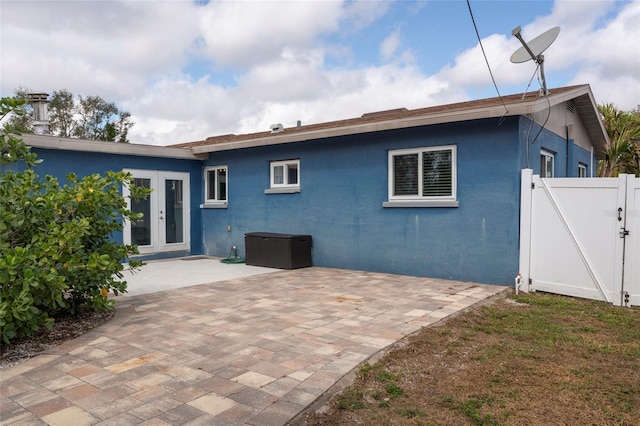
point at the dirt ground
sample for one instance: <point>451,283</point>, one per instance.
<point>530,360</point>
<point>65,328</point>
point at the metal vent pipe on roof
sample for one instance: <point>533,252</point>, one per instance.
<point>277,128</point>
<point>39,103</point>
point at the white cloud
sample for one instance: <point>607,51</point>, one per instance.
<point>290,61</point>
<point>389,45</point>
<point>213,110</point>
<point>598,44</point>
<point>177,109</point>
<point>355,92</point>
<point>471,69</point>
<point>609,89</point>
<point>593,46</point>
<point>361,14</point>
<point>243,34</point>
<point>297,75</point>
<point>106,48</point>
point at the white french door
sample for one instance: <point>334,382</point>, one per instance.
<point>165,224</point>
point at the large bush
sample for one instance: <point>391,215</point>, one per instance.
<point>57,254</point>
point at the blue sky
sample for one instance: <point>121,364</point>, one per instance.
<point>188,70</point>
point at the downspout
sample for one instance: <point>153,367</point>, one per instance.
<point>570,150</point>
<point>566,157</point>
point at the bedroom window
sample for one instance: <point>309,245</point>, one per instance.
<point>423,177</point>
<point>215,185</point>
<point>582,170</point>
<point>284,176</point>
<point>546,164</point>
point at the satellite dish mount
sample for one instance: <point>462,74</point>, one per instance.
<point>533,50</point>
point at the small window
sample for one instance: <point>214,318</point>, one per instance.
<point>215,184</point>
<point>285,175</point>
<point>546,164</point>
<point>422,177</point>
<point>582,170</point>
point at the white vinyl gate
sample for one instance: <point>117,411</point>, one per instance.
<point>581,237</point>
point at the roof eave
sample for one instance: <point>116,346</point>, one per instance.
<point>593,123</point>
<point>587,108</point>
<point>53,142</point>
<point>495,111</point>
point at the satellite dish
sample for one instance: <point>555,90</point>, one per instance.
<point>536,46</point>
<point>533,50</point>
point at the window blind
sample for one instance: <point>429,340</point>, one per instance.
<point>437,173</point>
<point>405,169</point>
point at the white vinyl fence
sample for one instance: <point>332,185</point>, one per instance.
<point>581,237</point>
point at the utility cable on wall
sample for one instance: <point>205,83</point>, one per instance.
<point>545,121</point>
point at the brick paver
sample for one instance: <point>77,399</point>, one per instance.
<point>255,350</point>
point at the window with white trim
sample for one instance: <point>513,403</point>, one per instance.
<point>285,176</point>
<point>546,164</point>
<point>423,177</point>
<point>215,185</point>
<point>582,170</point>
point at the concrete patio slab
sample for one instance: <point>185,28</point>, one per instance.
<point>253,350</point>
<point>167,274</point>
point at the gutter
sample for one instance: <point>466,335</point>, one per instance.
<point>52,142</point>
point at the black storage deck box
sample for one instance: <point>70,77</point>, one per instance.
<point>283,251</point>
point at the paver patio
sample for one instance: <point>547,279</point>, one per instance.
<point>256,350</point>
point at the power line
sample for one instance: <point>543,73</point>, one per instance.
<point>485,58</point>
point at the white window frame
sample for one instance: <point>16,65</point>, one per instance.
<point>420,200</point>
<point>582,170</point>
<point>548,156</point>
<point>215,202</point>
<point>285,187</point>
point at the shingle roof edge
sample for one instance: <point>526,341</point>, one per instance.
<point>510,105</point>
<point>83,145</point>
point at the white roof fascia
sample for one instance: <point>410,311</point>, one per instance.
<point>602,127</point>
<point>67,144</point>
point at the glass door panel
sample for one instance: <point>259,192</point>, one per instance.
<point>141,228</point>
<point>174,223</point>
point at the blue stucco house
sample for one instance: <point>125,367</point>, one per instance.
<point>428,192</point>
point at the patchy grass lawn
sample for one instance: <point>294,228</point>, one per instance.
<point>533,359</point>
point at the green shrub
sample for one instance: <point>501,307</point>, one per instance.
<point>56,251</point>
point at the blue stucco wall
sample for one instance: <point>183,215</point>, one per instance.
<point>59,163</point>
<point>581,155</point>
<point>567,155</point>
<point>344,183</point>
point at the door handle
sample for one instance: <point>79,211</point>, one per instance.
<point>619,214</point>
<point>161,217</point>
